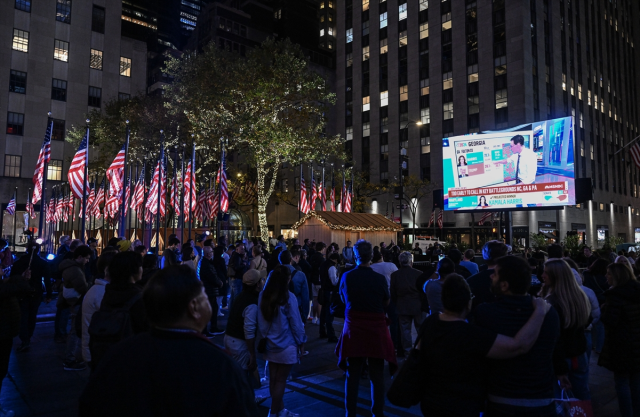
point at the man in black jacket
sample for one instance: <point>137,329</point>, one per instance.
<point>173,369</point>
<point>238,265</point>
<point>29,305</point>
<point>329,278</point>
<point>212,283</point>
<point>480,283</point>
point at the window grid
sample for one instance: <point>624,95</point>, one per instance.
<point>124,96</point>
<point>24,5</point>
<point>61,50</point>
<point>95,96</point>
<point>97,19</point>
<point>125,66</point>
<point>12,165</point>
<point>54,170</point>
<point>20,40</point>
<point>58,90</point>
<point>58,130</point>
<point>15,123</point>
<point>63,11</point>
<point>95,61</point>
<point>18,82</point>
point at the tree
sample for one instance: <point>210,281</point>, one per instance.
<point>572,243</point>
<point>269,107</point>
<point>415,189</point>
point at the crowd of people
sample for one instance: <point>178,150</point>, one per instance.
<point>504,338</point>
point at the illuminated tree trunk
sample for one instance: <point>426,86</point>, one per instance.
<point>264,193</point>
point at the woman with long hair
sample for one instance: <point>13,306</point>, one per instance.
<point>621,351</point>
<point>570,361</point>
<point>280,324</point>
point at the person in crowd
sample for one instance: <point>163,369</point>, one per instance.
<point>555,251</point>
<point>572,304</point>
<point>240,339</point>
<point>304,264</point>
<point>365,338</point>
<point>385,252</point>
<point>29,305</point>
<point>416,249</point>
<point>383,267</point>
<point>621,350</point>
<point>347,253</point>
<point>90,269</point>
<point>124,246</point>
<point>238,265</point>
<point>188,256</point>
<point>63,249</point>
<point>93,299</point>
<point>140,250</point>
<point>621,259</point>
<point>298,285</point>
<point>595,279</point>
<point>221,270</point>
<point>329,279</point>
<point>523,385</point>
<point>258,263</point>
<point>306,246</point>
<point>468,261</point>
<point>315,262</point>
<point>281,243</point>
<point>74,287</point>
<point>149,268</point>
<point>169,256</point>
<point>73,245</point>
<point>280,324</point>
<point>197,251</point>
<point>11,290</point>
<point>198,380</point>
<point>433,287</point>
<point>456,256</point>
<point>480,283</point>
<point>589,257</point>
<point>593,303</point>
<point>113,242</point>
<point>453,352</point>
<point>212,285</point>
<point>405,294</point>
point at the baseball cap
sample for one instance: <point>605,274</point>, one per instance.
<point>92,240</point>
<point>124,245</point>
<point>251,277</point>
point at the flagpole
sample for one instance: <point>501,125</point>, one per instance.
<point>166,209</point>
<point>143,206</point>
<point>351,201</point>
<point>159,192</point>
<point>333,186</point>
<point>123,210</point>
<point>300,193</point>
<point>219,215</point>
<point>15,215</point>
<point>175,185</point>
<point>84,186</point>
<point>192,186</point>
<point>135,224</point>
<point>44,179</point>
<point>29,203</point>
<point>323,197</point>
<point>104,212</point>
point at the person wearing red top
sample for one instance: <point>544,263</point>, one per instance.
<point>365,336</point>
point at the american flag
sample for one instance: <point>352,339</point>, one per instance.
<point>314,191</point>
<point>152,200</point>
<point>484,217</point>
<point>115,173</point>
<point>163,188</point>
<point>11,207</point>
<point>90,200</point>
<point>333,193</point>
<point>343,195</point>
<point>138,194</point>
<point>433,216</point>
<point>65,207</point>
<point>43,158</point>
<point>113,204</point>
<point>440,215</point>
<point>30,210</point>
<point>189,191</point>
<point>635,154</point>
<point>215,205</point>
<point>71,204</point>
<point>175,195</point>
<point>59,208</point>
<point>224,191</point>
<point>98,199</point>
<point>201,205</point>
<point>347,204</point>
<point>322,193</point>
<point>50,210</point>
<point>303,205</point>
<point>77,168</point>
<point>211,197</point>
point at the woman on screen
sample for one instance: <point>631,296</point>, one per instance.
<point>482,202</point>
<point>462,161</point>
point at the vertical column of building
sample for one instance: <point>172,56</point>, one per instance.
<point>500,64</point>
<point>534,60</point>
<point>473,90</point>
<point>423,73</point>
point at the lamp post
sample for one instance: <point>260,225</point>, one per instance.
<point>403,165</point>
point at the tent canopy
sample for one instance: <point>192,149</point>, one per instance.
<point>351,221</point>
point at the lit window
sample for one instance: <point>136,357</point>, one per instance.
<point>384,47</point>
<point>592,153</point>
<point>383,20</point>
<point>425,116</point>
<point>54,170</point>
<point>424,87</point>
<point>349,133</point>
<point>402,39</point>
<point>472,73</point>
<point>125,66</point>
<point>366,103</point>
<point>278,13</point>
<point>572,87</point>
<point>322,5</point>
<point>95,61</point>
<point>349,35</point>
<point>15,123</point>
<point>365,53</point>
<point>63,11</point>
<point>473,103</point>
<point>384,98</point>
<point>12,165</point>
<point>579,91</point>
<point>500,69</point>
<point>24,5</point>
<point>581,119</point>
<point>330,4</point>
<point>425,144</point>
<point>61,50</point>
<point>321,32</point>
<point>366,130</point>
<point>446,21</point>
<point>501,98</point>
<point>424,30</point>
<point>447,80</point>
<point>447,111</point>
<point>564,82</point>
<point>20,40</point>
<point>402,11</point>
<point>424,5</point>
<point>365,5</point>
<point>404,93</point>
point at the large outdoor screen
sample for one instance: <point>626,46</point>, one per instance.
<point>531,166</point>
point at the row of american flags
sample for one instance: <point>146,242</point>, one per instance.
<point>200,202</point>
<point>344,203</point>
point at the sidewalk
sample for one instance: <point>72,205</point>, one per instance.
<point>38,386</point>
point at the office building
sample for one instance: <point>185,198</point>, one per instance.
<point>465,66</point>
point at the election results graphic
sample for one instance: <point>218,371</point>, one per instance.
<point>529,166</point>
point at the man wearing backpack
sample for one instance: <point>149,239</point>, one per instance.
<point>172,370</point>
<point>74,287</point>
<point>109,325</point>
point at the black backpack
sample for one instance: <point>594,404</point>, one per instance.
<point>108,327</point>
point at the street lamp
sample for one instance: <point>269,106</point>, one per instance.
<point>403,164</point>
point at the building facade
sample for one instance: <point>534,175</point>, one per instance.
<point>466,66</point>
<point>65,57</point>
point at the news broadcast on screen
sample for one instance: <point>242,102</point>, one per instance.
<point>529,166</point>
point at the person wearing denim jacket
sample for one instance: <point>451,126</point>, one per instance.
<point>298,285</point>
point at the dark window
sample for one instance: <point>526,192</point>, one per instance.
<point>63,11</point>
<point>24,5</point>
<point>18,82</point>
<point>12,165</point>
<point>59,90</point>
<point>97,19</point>
<point>95,96</point>
<point>124,96</point>
<point>58,130</point>
<point>15,123</point>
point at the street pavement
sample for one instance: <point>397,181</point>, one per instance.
<point>37,385</point>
